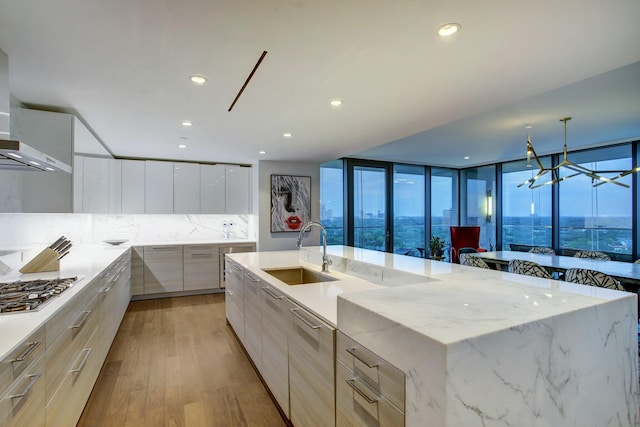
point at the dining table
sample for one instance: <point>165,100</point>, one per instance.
<point>627,273</point>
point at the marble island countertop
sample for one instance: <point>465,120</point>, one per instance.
<point>480,347</point>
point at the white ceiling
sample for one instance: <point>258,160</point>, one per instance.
<point>122,66</point>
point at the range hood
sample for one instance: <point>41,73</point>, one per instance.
<point>16,155</point>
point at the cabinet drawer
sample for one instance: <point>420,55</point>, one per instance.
<point>23,404</point>
<point>157,250</point>
<point>200,248</point>
<point>163,269</point>
<point>357,404</point>
<point>137,268</point>
<point>201,267</point>
<point>71,310</point>
<point>382,376</point>
<point>66,405</point>
<point>61,353</point>
<point>16,362</point>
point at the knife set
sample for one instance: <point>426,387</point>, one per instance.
<point>49,258</point>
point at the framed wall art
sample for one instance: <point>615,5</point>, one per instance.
<point>290,202</point>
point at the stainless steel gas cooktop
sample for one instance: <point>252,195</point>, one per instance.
<point>30,295</point>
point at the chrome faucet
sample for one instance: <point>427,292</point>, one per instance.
<point>326,262</point>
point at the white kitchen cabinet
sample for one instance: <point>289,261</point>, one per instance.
<point>95,185</point>
<point>234,297</point>
<point>78,184</point>
<point>158,187</point>
<point>212,189</point>
<point>275,359</point>
<point>114,298</point>
<point>201,267</point>
<point>252,287</point>
<point>137,271</point>
<point>133,186</point>
<point>186,188</point>
<point>311,369</point>
<point>115,186</point>
<point>163,269</point>
<point>237,189</point>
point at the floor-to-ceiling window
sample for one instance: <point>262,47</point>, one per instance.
<point>370,213</point>
<point>526,213</point>
<point>477,202</point>
<point>444,203</point>
<point>331,201</point>
<point>594,215</point>
<point>409,209</point>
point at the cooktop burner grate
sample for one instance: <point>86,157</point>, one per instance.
<point>29,295</point>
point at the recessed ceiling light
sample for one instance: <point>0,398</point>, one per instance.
<point>528,127</point>
<point>34,163</point>
<point>17,156</point>
<point>198,80</point>
<point>182,146</point>
<point>262,152</point>
<point>449,29</point>
<point>187,123</point>
<point>336,102</point>
<point>287,135</point>
<point>467,157</point>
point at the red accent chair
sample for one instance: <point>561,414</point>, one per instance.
<point>464,237</point>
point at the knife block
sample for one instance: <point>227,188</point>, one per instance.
<point>47,260</point>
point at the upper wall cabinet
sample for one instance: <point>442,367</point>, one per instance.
<point>186,188</point>
<point>212,189</point>
<point>158,187</point>
<point>237,194</point>
<point>133,176</point>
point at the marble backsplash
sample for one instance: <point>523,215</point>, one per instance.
<point>25,230</point>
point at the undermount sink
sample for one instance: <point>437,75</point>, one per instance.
<point>298,275</point>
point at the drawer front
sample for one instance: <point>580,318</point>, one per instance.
<point>67,403</point>
<point>15,364</point>
<point>252,319</point>
<point>158,250</point>
<point>311,369</point>
<point>234,306</point>
<point>163,272</point>
<point>357,404</point>
<point>382,376</point>
<point>23,404</point>
<point>201,269</point>
<point>61,353</point>
<point>201,248</point>
<point>70,312</point>
<point>137,268</point>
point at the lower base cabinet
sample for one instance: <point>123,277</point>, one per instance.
<point>23,403</point>
<point>311,369</point>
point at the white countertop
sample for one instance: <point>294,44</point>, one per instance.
<point>85,262</point>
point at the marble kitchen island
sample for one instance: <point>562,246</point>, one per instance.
<point>481,347</point>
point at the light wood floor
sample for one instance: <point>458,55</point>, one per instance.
<point>176,362</point>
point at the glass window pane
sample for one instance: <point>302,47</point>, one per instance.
<point>331,197</point>
<point>477,202</point>
<point>526,213</point>
<point>597,218</point>
<point>408,210</point>
<point>444,207</point>
<point>369,200</point>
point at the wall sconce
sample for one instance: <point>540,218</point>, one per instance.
<point>489,209</point>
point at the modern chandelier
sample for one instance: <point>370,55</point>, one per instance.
<point>597,178</point>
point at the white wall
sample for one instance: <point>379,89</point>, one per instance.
<point>268,241</point>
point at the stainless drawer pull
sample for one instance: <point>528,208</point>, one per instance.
<point>294,311</point>
<point>80,324</point>
<point>228,292</point>
<point>352,384</point>
<point>105,290</point>
<point>250,277</point>
<point>201,255</point>
<point>23,356</point>
<point>34,378</point>
<point>272,294</point>
<point>87,352</point>
<point>233,266</point>
<point>352,351</point>
<point>164,248</point>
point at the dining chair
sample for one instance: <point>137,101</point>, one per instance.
<point>464,237</point>
<point>542,250</point>
<point>472,261</point>
<point>592,255</point>
<point>585,276</point>
<point>528,268</point>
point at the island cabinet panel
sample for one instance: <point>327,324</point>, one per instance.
<point>163,269</point>
<point>275,359</point>
<point>252,318</point>
<point>22,383</point>
<point>311,369</point>
<point>201,267</point>
<point>234,298</point>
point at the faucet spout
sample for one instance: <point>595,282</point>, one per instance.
<point>326,262</point>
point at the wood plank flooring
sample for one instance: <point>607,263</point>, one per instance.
<point>176,362</point>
